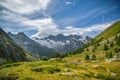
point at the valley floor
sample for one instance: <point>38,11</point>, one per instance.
<point>63,69</point>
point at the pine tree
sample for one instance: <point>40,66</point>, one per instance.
<point>118,40</point>
<point>93,57</point>
<point>105,47</point>
<point>87,57</point>
<point>110,55</point>
<point>112,44</point>
<point>87,49</point>
<point>93,50</point>
<point>107,56</point>
<point>98,44</point>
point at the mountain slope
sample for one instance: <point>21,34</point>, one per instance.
<point>9,50</point>
<point>63,44</point>
<point>105,45</point>
<point>30,45</point>
<point>110,31</point>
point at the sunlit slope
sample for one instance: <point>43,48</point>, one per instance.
<point>110,31</point>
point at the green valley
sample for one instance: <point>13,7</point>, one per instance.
<point>99,59</point>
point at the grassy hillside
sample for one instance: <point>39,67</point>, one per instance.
<point>98,60</point>
<point>110,31</point>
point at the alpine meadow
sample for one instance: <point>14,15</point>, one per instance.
<point>59,40</point>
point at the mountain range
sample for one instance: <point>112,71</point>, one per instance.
<point>30,45</point>
<point>63,44</point>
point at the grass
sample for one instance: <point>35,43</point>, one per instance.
<point>52,70</point>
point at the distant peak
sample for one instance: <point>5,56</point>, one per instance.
<point>9,33</point>
<point>88,37</point>
<point>21,34</point>
<point>60,35</point>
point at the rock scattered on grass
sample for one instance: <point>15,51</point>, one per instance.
<point>67,69</point>
<point>37,69</point>
<point>75,62</point>
<point>67,73</point>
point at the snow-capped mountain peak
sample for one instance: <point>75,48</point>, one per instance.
<point>63,43</point>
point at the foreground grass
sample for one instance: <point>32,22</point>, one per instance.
<point>60,70</point>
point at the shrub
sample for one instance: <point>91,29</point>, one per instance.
<point>14,64</point>
<point>93,57</point>
<point>29,78</point>
<point>90,74</point>
<point>37,69</point>
<point>99,76</point>
<point>51,70</point>
<point>44,58</point>
<point>10,77</point>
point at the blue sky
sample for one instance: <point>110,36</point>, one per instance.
<point>40,18</point>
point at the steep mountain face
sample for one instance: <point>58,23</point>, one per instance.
<point>30,45</point>
<point>9,50</point>
<point>63,44</point>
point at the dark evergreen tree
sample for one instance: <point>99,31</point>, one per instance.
<point>107,56</point>
<point>112,44</point>
<point>98,44</point>
<point>87,49</point>
<point>93,50</point>
<point>115,37</point>
<point>93,57</point>
<point>117,50</point>
<point>106,47</point>
<point>44,58</point>
<point>118,40</point>
<point>57,54</point>
<point>110,55</point>
<point>87,57</point>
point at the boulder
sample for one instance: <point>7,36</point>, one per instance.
<point>53,59</point>
<point>67,69</point>
<point>67,73</point>
<point>37,69</point>
<point>75,62</point>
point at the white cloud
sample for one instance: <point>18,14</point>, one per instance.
<point>44,26</point>
<point>25,6</point>
<point>72,30</point>
<point>79,31</point>
<point>69,3</point>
